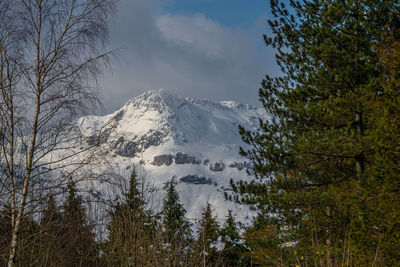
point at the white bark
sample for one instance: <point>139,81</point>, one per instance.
<point>50,54</point>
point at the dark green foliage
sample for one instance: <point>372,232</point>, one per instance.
<point>267,243</point>
<point>77,240</point>
<point>51,237</point>
<point>234,249</point>
<point>135,198</point>
<point>5,233</point>
<point>208,233</point>
<point>174,222</point>
<point>325,155</point>
<point>132,229</point>
<point>175,226</point>
<point>57,239</point>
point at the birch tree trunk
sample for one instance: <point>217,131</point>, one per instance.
<point>50,55</point>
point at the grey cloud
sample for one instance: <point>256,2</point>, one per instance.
<point>190,55</point>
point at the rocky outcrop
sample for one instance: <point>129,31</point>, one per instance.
<point>241,165</point>
<point>182,158</point>
<point>163,159</point>
<point>128,149</point>
<point>125,148</point>
<point>100,138</point>
<point>152,138</point>
<point>95,194</point>
<point>119,142</point>
<point>194,179</point>
<point>217,167</point>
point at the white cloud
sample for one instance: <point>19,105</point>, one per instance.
<point>191,55</point>
<point>197,33</point>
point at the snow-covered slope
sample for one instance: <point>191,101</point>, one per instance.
<point>197,141</point>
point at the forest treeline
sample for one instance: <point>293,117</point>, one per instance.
<point>63,234</point>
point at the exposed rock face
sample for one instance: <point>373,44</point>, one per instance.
<point>127,150</point>
<point>241,165</point>
<point>95,194</point>
<point>98,139</point>
<point>152,138</point>
<point>103,136</point>
<point>119,142</point>
<point>194,179</point>
<point>163,159</point>
<point>217,167</point>
<point>205,162</point>
<point>119,115</point>
<point>181,158</point>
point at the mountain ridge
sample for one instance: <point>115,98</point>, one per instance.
<point>196,141</point>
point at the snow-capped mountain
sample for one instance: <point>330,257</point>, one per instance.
<point>197,141</point>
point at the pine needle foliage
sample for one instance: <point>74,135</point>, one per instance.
<point>176,233</point>
<point>327,152</point>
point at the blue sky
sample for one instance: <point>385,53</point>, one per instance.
<point>231,13</point>
<point>209,49</point>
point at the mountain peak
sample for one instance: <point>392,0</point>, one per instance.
<point>169,117</point>
<point>196,140</point>
<point>155,96</point>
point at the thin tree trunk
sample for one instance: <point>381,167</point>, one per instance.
<point>18,219</point>
<point>359,130</point>
<point>328,240</point>
<point>377,251</point>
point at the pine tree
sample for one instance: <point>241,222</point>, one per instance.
<point>51,237</point>
<point>28,252</point>
<point>233,248</point>
<point>208,234</point>
<point>131,229</point>
<point>380,220</point>
<point>316,157</point>
<point>175,226</point>
<point>135,197</point>
<point>5,233</point>
<point>173,214</point>
<point>78,241</point>
<point>51,215</point>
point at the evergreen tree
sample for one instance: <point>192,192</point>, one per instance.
<point>51,215</point>
<point>51,237</point>
<point>380,221</point>
<point>135,197</point>
<point>175,226</point>
<point>5,233</point>
<point>131,229</point>
<point>266,243</point>
<point>233,248</point>
<point>78,241</point>
<point>173,215</point>
<point>208,234</point>
<point>319,159</point>
<point>28,251</point>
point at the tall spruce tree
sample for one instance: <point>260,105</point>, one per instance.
<point>51,238</point>
<point>234,250</point>
<point>28,253</point>
<point>175,227</point>
<point>131,229</point>
<point>208,233</point>
<point>316,159</point>
<point>77,241</point>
